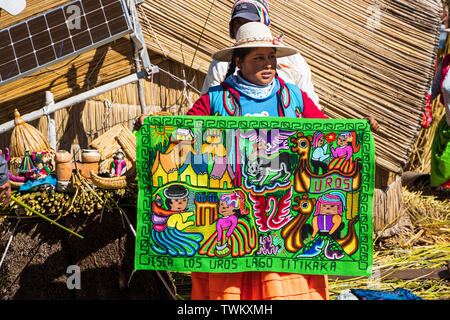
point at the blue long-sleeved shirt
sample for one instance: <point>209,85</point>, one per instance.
<point>4,174</point>
<point>320,153</point>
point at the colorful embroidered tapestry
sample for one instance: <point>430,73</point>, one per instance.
<point>255,194</point>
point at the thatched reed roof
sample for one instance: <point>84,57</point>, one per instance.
<point>367,57</point>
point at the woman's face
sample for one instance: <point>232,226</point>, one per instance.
<point>320,141</point>
<point>179,204</point>
<point>341,141</point>
<point>237,23</point>
<point>225,210</point>
<point>259,66</point>
<point>328,209</point>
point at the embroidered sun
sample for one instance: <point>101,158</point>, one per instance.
<point>161,133</point>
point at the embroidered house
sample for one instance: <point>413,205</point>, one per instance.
<point>181,163</point>
<point>206,209</point>
<point>220,171</point>
<point>167,164</point>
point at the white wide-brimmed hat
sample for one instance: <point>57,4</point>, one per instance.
<point>254,35</point>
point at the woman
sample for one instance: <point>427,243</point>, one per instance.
<point>440,148</point>
<point>320,158</point>
<point>256,90</point>
<point>256,81</point>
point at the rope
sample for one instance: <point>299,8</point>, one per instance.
<point>36,248</point>
<point>201,35</point>
<point>108,104</point>
<point>95,69</point>
<point>151,92</point>
<point>154,33</point>
<point>166,285</point>
<point>174,77</point>
<point>157,271</point>
<point>186,84</point>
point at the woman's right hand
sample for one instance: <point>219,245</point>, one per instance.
<point>139,122</point>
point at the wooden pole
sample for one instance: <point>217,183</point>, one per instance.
<point>51,126</point>
<point>76,99</point>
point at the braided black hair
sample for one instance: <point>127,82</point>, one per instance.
<point>237,53</point>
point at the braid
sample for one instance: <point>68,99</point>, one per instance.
<point>231,67</point>
<point>237,53</point>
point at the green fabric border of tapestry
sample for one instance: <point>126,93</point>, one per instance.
<point>144,260</point>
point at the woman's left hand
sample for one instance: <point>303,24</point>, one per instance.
<point>373,123</point>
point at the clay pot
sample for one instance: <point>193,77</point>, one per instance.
<point>63,156</point>
<point>64,171</point>
<point>90,155</point>
<point>85,168</point>
<point>64,165</point>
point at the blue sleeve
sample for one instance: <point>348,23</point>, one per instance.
<point>4,173</point>
<point>436,85</point>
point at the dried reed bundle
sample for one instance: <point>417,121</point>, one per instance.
<point>127,140</point>
<point>420,160</point>
<point>429,213</point>
<point>106,144</point>
<point>26,137</point>
<point>421,153</point>
<point>387,205</point>
<point>117,138</point>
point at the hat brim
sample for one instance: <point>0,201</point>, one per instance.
<point>250,16</point>
<point>227,53</point>
<point>176,195</point>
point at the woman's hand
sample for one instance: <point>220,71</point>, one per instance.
<point>139,122</point>
<point>373,123</point>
